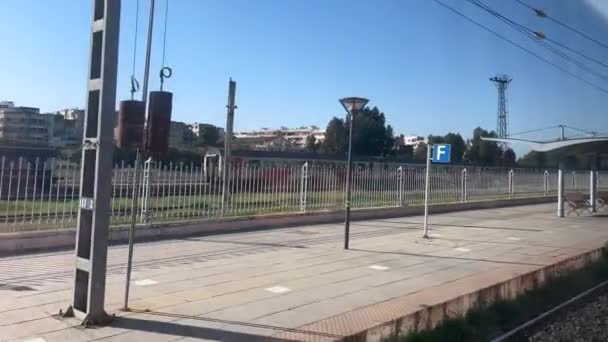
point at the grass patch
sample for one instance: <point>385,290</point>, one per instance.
<point>490,321</point>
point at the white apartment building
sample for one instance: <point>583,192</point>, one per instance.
<point>73,114</point>
<point>413,140</point>
<point>198,127</point>
<point>296,136</point>
<point>22,126</point>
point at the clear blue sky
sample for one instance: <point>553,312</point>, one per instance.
<point>426,68</point>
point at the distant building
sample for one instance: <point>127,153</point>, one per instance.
<point>413,140</point>
<point>265,143</point>
<point>63,132</point>
<point>295,136</point>
<point>180,134</point>
<point>65,127</point>
<point>73,114</point>
<point>22,126</point>
<point>197,128</point>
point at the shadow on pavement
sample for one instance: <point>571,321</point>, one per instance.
<point>417,227</point>
<point>261,244</point>
<point>466,226</point>
<point>17,288</point>
<point>184,330</point>
<point>448,257</point>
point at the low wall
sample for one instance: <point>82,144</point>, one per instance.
<point>449,303</point>
<point>26,242</point>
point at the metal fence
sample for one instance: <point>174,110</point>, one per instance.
<point>43,195</point>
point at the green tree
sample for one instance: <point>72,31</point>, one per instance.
<point>336,136</point>
<point>369,132</point>
<point>458,148</point>
<point>436,139</point>
<point>534,159</point>
<point>371,135</point>
<point>508,158</point>
<point>401,150</point>
<point>482,152</point>
<point>420,152</point>
<point>405,152</point>
<point>208,135</point>
<point>311,143</point>
<point>389,142</point>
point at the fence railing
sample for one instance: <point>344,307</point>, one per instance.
<point>43,195</point>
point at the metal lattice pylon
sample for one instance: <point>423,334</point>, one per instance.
<point>502,83</point>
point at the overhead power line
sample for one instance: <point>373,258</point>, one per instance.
<point>521,47</point>
<point>539,37</point>
<point>596,61</point>
<point>534,130</point>
<point>543,14</point>
<point>581,130</point>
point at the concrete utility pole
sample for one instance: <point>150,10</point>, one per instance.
<point>96,174</point>
<point>228,142</point>
<point>144,92</point>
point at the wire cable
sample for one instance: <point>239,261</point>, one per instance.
<point>165,31</point>
<point>534,130</point>
<point>539,37</point>
<point>521,47</point>
<point>544,14</point>
<point>134,82</point>
<point>537,34</point>
<point>563,46</point>
<point>165,71</point>
<point>580,130</point>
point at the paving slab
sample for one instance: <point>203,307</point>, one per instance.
<point>294,283</point>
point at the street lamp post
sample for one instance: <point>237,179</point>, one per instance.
<point>351,105</point>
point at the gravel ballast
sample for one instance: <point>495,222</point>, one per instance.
<point>586,323</point>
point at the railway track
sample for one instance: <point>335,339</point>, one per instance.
<point>526,331</point>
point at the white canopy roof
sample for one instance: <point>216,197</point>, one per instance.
<point>541,146</point>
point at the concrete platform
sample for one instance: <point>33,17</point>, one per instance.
<point>298,283</point>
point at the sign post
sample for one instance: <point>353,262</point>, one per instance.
<point>440,154</point>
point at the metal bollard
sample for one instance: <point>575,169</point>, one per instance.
<point>400,185</point>
<point>546,183</point>
<point>463,186</point>
<point>592,191</point>
<point>304,187</point>
<point>511,176</point>
<point>145,192</point>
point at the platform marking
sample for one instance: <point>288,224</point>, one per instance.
<point>145,282</point>
<point>379,268</point>
<point>278,289</point>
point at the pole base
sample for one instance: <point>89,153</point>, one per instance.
<point>88,320</point>
<point>69,312</point>
<point>98,321</point>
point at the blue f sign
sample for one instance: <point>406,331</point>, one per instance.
<point>441,153</point>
